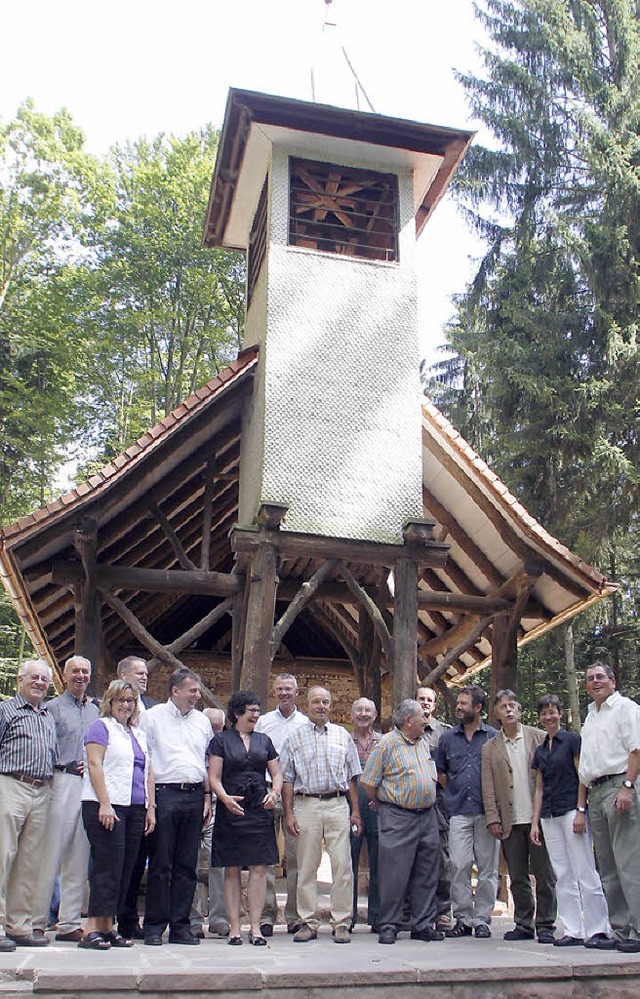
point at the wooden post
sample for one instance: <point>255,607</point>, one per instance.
<point>236,639</point>
<point>405,640</point>
<point>88,623</point>
<point>504,658</point>
<point>261,582</point>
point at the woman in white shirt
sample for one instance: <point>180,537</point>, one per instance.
<point>118,808</point>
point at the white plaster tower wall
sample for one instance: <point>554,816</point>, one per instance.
<point>335,431</point>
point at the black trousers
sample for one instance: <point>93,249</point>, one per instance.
<point>128,913</point>
<point>173,859</point>
<point>113,854</point>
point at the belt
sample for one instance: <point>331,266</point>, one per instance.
<point>185,786</point>
<point>69,768</point>
<point>31,781</point>
<point>605,778</point>
<point>323,797</point>
<point>414,811</point>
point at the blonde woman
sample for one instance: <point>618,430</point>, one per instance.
<point>118,809</point>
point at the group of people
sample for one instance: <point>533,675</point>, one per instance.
<point>106,789</point>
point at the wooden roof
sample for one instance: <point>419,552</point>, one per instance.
<point>148,507</point>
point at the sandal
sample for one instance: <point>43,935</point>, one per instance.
<point>235,941</point>
<point>117,940</point>
<point>257,941</point>
<point>94,941</point>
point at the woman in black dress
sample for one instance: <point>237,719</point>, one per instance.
<point>244,835</point>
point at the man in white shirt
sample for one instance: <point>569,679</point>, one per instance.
<point>277,725</point>
<point>609,767</point>
<point>178,737</point>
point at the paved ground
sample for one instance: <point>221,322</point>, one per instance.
<point>322,967</point>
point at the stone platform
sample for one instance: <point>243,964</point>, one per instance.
<point>453,969</point>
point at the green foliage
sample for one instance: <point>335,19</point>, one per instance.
<point>543,371</point>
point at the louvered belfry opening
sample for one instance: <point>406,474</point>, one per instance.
<point>257,243</point>
<point>343,210</point>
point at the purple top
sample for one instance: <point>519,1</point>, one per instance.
<point>99,733</point>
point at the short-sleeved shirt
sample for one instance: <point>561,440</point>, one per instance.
<point>319,759</point>
<point>99,733</point>
<point>559,775</point>
<point>460,759</point>
<point>402,771</point>
<point>609,735</point>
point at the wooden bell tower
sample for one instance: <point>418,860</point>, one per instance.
<point>327,204</point>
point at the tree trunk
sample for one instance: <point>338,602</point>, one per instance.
<point>572,679</point>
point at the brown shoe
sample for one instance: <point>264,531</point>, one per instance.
<point>305,934</point>
<point>73,936</point>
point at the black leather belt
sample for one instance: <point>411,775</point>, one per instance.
<point>414,811</point>
<point>31,781</point>
<point>605,778</point>
<point>323,797</point>
<point>69,768</point>
<point>184,786</point>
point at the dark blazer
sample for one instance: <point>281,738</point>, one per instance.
<point>497,777</point>
<point>148,702</point>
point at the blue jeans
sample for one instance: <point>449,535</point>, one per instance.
<point>370,833</point>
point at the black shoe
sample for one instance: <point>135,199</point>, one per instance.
<point>136,934</point>
<point>6,945</point>
<point>428,934</point>
<point>291,928</point>
<point>153,940</point>
<point>624,946</point>
<point>518,934</point>
<point>482,931</point>
<point>183,938</point>
<point>387,935</point>
<point>567,941</point>
<point>30,940</point>
<point>546,937</point>
<point>266,929</point>
<point>600,941</point>
<point>198,933</point>
<point>458,930</point>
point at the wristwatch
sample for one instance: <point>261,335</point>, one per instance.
<point>581,809</point>
<point>629,784</point>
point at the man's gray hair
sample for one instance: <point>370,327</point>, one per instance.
<point>404,710</point>
<point>37,664</point>
<point>128,661</point>
<point>598,664</point>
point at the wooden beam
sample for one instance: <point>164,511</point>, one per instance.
<point>405,617</point>
<point>140,632</point>
<point>304,595</point>
<point>185,640</point>
<point>261,585</point>
<point>462,539</point>
<point>194,581</point>
<point>173,538</point>
<point>462,646</point>
<point>448,640</point>
<point>294,545</point>
<point>207,516</point>
<point>374,612</point>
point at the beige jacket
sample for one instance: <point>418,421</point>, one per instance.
<point>497,777</point>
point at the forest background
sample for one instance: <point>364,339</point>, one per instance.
<point>111,313</point>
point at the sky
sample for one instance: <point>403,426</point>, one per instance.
<point>129,68</point>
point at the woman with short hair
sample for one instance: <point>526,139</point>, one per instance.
<point>244,834</point>
<point>118,809</point>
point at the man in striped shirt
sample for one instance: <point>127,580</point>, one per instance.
<point>400,777</point>
<point>27,753</point>
<point>320,767</point>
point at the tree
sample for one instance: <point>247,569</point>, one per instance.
<point>164,314</point>
<point>45,189</point>
<point>549,326</point>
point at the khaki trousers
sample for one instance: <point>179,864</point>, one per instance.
<point>326,820</point>
<point>23,826</point>
<point>270,911</point>
<point>66,852</point>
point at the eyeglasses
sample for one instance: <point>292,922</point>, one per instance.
<point>125,700</point>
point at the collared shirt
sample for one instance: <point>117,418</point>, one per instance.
<point>72,719</point>
<point>522,802</point>
<point>177,743</point>
<point>27,739</point>
<point>402,771</point>
<point>559,775</point>
<point>460,759</point>
<point>277,727</point>
<point>365,749</point>
<point>433,732</point>
<point>319,760</point>
<point>608,737</point>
